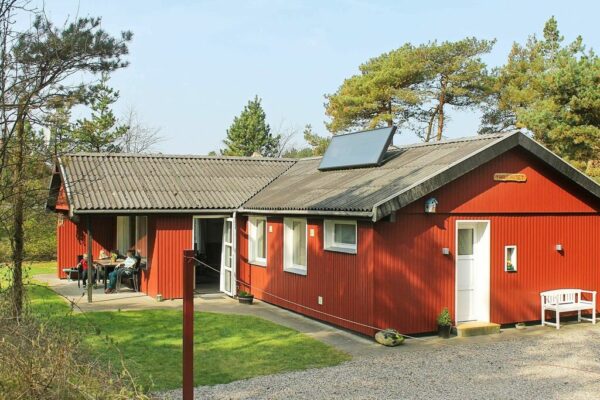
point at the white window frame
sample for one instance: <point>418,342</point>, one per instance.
<point>331,245</point>
<point>253,241</point>
<point>288,247</point>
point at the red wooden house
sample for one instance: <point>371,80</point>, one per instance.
<point>480,225</point>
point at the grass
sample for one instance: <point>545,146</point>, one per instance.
<point>226,347</point>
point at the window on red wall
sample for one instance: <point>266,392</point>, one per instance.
<point>257,240</point>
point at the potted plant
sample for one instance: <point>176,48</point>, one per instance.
<point>245,297</point>
<point>510,267</point>
<point>444,322</point>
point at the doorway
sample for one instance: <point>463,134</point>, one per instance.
<point>214,246</point>
<point>472,271</point>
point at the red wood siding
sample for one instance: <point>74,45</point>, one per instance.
<point>149,278</point>
<point>415,281</point>
<point>544,192</point>
<point>343,280</point>
<point>71,239</point>
<point>61,200</point>
<point>173,235</point>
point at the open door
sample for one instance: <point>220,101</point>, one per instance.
<point>228,258</point>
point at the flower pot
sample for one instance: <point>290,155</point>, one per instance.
<point>444,331</point>
<point>245,299</point>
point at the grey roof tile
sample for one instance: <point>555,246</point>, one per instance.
<point>143,182</point>
<point>304,187</point>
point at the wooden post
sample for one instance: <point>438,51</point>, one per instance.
<point>90,261</point>
<point>188,324</point>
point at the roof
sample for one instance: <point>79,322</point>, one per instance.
<point>358,190</point>
<point>129,183</point>
<point>410,173</point>
<point>97,182</point>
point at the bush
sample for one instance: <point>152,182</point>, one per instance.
<point>40,238</point>
<point>43,359</point>
<point>444,318</point>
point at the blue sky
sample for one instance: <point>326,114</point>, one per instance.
<point>195,64</point>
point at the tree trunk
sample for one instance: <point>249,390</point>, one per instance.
<point>430,125</point>
<point>441,102</point>
<point>18,218</point>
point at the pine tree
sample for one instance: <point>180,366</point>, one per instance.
<point>101,132</point>
<point>412,85</point>
<point>553,90</point>
<point>249,133</point>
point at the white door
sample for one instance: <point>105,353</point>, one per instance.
<point>228,258</point>
<point>465,273</point>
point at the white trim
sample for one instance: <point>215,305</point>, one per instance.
<point>231,290</point>
<point>482,254</point>
<point>329,242</point>
<point>288,247</point>
<point>224,217</point>
<point>253,241</point>
<point>234,264</point>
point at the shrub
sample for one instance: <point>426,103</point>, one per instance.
<point>43,359</point>
<point>444,318</point>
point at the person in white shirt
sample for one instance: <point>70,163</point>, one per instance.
<point>129,263</point>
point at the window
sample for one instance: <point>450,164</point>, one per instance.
<point>510,258</point>
<point>340,236</point>
<point>294,244</point>
<point>466,241</point>
<point>257,240</point>
<point>132,234</point>
<point>123,235</point>
<point>141,238</point>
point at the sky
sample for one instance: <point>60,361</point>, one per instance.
<point>195,64</point>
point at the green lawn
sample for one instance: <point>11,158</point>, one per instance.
<point>226,347</point>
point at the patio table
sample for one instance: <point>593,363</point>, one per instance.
<point>107,266</point>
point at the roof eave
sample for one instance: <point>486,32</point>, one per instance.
<point>449,174</point>
<point>560,165</point>
<point>332,213</point>
<point>155,211</point>
<point>469,163</point>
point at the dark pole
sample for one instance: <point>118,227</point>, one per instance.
<point>188,324</point>
<point>89,257</point>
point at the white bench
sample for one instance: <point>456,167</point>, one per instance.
<point>565,300</point>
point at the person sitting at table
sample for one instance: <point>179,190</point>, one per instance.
<point>129,263</point>
<point>83,268</point>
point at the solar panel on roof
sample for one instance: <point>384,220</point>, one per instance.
<point>357,149</point>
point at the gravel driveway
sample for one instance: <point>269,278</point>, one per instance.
<point>538,363</point>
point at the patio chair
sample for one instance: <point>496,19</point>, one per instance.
<point>74,270</point>
<point>132,275</point>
